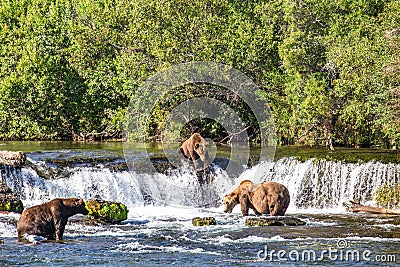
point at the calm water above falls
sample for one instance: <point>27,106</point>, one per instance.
<point>159,235</point>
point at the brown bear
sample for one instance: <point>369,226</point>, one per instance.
<point>49,219</point>
<point>196,149</point>
<point>266,198</point>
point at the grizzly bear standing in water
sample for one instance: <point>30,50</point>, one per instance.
<point>49,219</point>
<point>196,149</point>
<point>266,198</point>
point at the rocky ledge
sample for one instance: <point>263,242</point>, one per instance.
<point>274,221</point>
<point>16,159</point>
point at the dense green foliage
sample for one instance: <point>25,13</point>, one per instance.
<point>388,196</point>
<point>329,69</point>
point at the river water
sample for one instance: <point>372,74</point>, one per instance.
<point>159,230</point>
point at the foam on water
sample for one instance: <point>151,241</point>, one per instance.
<point>7,227</point>
<point>164,211</point>
<point>136,247</point>
<point>7,230</point>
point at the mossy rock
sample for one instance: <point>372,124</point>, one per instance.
<point>388,196</point>
<point>274,221</point>
<point>9,201</point>
<point>197,221</point>
<point>107,211</point>
<point>10,206</point>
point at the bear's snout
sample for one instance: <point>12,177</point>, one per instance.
<point>84,210</point>
<point>228,206</point>
<point>225,209</point>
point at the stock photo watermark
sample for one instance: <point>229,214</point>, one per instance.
<point>341,252</point>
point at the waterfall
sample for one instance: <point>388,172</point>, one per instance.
<point>319,183</point>
<point>83,183</point>
<point>315,183</point>
<point>178,187</point>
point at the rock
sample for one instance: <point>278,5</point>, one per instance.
<point>107,211</point>
<point>274,221</point>
<point>9,201</point>
<point>197,221</point>
<point>16,159</point>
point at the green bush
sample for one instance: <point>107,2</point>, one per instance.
<point>108,211</point>
<point>388,196</point>
<point>328,69</point>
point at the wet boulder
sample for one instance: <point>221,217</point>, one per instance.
<point>274,221</point>
<point>9,201</point>
<point>106,211</point>
<point>16,159</point>
<point>197,221</point>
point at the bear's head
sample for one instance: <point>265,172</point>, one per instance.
<point>77,205</point>
<point>201,147</point>
<point>230,201</point>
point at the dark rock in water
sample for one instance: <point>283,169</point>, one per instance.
<point>9,201</point>
<point>57,165</point>
<point>92,222</point>
<point>15,159</point>
<point>106,211</point>
<point>274,221</point>
<point>197,221</point>
<point>157,163</point>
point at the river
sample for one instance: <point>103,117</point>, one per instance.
<point>159,230</point>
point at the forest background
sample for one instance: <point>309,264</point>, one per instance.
<point>330,70</point>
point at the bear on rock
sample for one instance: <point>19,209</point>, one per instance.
<point>49,219</point>
<point>266,198</point>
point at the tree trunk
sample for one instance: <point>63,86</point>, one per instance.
<point>357,207</point>
<point>328,137</point>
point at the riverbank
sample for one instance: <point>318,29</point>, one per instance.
<point>349,155</point>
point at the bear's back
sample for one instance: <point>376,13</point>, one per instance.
<point>34,220</point>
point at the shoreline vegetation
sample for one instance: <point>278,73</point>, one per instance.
<point>302,153</point>
<point>329,70</point>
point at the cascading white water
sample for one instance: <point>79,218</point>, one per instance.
<point>312,184</point>
<point>180,187</point>
<point>83,183</point>
<point>319,183</point>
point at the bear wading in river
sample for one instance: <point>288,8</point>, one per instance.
<point>196,149</point>
<point>49,219</point>
<point>266,198</point>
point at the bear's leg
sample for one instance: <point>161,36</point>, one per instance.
<point>274,210</point>
<point>60,227</point>
<point>256,212</point>
<point>245,210</point>
<point>192,157</point>
<point>244,204</point>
